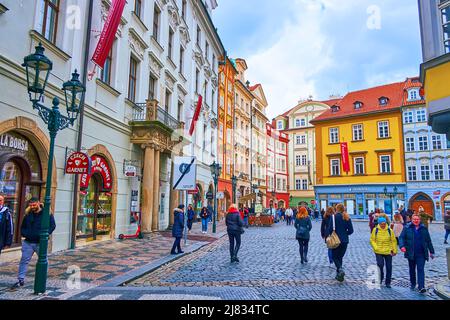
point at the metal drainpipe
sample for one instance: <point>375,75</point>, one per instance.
<point>80,125</point>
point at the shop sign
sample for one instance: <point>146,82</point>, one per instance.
<point>99,165</point>
<point>209,195</point>
<point>345,157</point>
<point>8,141</point>
<point>195,191</point>
<point>130,171</point>
<point>437,193</point>
<point>78,163</point>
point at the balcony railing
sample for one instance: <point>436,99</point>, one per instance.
<point>150,111</point>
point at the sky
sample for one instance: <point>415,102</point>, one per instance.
<point>318,48</point>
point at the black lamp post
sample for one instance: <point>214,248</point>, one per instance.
<point>234,184</point>
<point>38,68</point>
<point>216,171</point>
<point>391,196</point>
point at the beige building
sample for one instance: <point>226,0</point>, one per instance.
<point>301,148</point>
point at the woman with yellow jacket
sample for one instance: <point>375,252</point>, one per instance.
<point>384,245</point>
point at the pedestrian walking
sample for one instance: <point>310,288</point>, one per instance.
<point>384,246</point>
<point>303,227</point>
<point>322,213</point>
<point>447,226</point>
<point>204,214</point>
<point>289,215</point>
<point>6,226</point>
<point>402,212</point>
<point>246,214</point>
<point>31,230</point>
<point>316,214</point>
<point>425,218</point>
<point>177,229</point>
<point>190,217</point>
<point>342,225</point>
<point>415,243</point>
<point>397,225</point>
<point>324,227</point>
<point>234,225</point>
<point>372,220</point>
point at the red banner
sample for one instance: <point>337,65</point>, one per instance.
<point>78,163</point>
<point>345,158</point>
<point>196,115</point>
<point>108,33</point>
<point>100,166</point>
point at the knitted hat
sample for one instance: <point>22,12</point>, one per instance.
<point>381,220</point>
<point>181,206</point>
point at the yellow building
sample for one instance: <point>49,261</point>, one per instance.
<point>360,154</point>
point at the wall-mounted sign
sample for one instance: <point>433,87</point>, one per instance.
<point>9,141</point>
<point>209,195</point>
<point>78,163</point>
<point>100,166</point>
<point>130,171</point>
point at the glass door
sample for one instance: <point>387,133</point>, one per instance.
<point>86,213</point>
<point>10,187</point>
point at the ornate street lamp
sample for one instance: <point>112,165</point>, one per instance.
<point>216,171</point>
<point>38,68</point>
<point>234,184</point>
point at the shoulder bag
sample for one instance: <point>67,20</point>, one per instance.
<point>333,240</point>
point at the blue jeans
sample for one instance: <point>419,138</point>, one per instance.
<point>447,233</point>
<point>330,255</point>
<point>28,249</point>
<point>176,245</point>
<point>205,224</point>
<point>246,222</point>
<point>419,263</point>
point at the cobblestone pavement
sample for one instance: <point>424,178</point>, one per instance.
<point>270,269</point>
<point>98,263</point>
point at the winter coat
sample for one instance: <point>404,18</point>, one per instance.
<point>303,227</point>
<point>204,214</point>
<point>233,221</point>
<point>324,227</point>
<point>383,241</point>
<point>397,228</point>
<point>191,214</point>
<point>343,228</point>
<point>425,218</point>
<point>31,225</point>
<point>406,240</point>
<point>447,221</point>
<point>178,223</point>
<point>6,228</point>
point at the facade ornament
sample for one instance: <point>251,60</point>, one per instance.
<point>104,13</point>
<point>199,59</point>
<point>174,17</point>
<point>137,45</point>
<point>155,65</point>
<point>184,36</point>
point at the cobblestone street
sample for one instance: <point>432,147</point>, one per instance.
<point>270,268</point>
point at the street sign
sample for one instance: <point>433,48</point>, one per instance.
<point>210,195</point>
<point>185,173</point>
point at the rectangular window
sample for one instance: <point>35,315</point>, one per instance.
<point>137,8</point>
<point>170,44</point>
<point>334,135</point>
<point>359,165</point>
<point>199,35</point>
<point>421,115</point>
<point>206,51</point>
<point>167,101</point>
<point>49,19</point>
<point>205,128</point>
<point>304,160</point>
<point>298,184</point>
<point>425,172</point>
<point>302,123</point>
<point>335,167</point>
<point>152,87</point>
<point>298,160</point>
<point>180,111</point>
<point>437,142</point>
<point>408,117</point>
<point>214,62</point>
<point>423,143</point>
<point>298,140</point>
<point>280,125</point>
<point>385,164</point>
<point>410,141</point>
<point>183,9</point>
<point>197,80</point>
<point>304,184</point>
<point>156,17</point>
<point>132,80</point>
<point>438,172</point>
<point>446,28</point>
<point>412,173</point>
<point>105,75</point>
<point>181,60</point>
<point>357,132</point>
<point>383,129</point>
<point>297,122</point>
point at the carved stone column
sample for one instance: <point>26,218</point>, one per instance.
<point>147,189</point>
<point>156,198</point>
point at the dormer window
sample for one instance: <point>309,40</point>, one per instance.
<point>413,94</point>
<point>335,108</point>
<point>358,104</point>
<point>383,101</point>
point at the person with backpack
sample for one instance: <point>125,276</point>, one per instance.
<point>342,225</point>
<point>204,214</point>
<point>6,226</point>
<point>384,246</point>
<point>415,243</point>
<point>303,227</point>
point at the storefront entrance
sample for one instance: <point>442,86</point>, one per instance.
<point>421,199</point>
<point>20,176</point>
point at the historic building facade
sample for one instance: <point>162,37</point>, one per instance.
<point>301,149</point>
<point>359,145</point>
<point>427,156</point>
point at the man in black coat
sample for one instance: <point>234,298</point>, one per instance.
<point>177,229</point>
<point>234,229</point>
<point>6,226</point>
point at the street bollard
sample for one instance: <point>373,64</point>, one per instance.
<point>448,263</point>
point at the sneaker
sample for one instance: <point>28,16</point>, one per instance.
<point>173,252</point>
<point>423,290</point>
<point>445,242</point>
<point>236,259</point>
<point>18,284</point>
<point>179,252</point>
<point>340,276</point>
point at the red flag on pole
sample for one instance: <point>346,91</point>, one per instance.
<point>345,158</point>
<point>196,114</point>
<point>108,33</point>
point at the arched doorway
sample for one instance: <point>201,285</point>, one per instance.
<point>211,201</point>
<point>197,198</point>
<point>281,204</point>
<point>445,203</point>
<point>422,199</point>
<point>20,176</point>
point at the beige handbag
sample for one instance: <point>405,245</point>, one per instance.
<point>333,240</point>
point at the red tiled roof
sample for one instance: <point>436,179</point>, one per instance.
<point>252,88</point>
<point>369,98</point>
<point>412,83</point>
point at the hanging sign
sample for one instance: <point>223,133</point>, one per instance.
<point>345,158</point>
<point>100,166</point>
<point>78,163</point>
<point>130,171</point>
